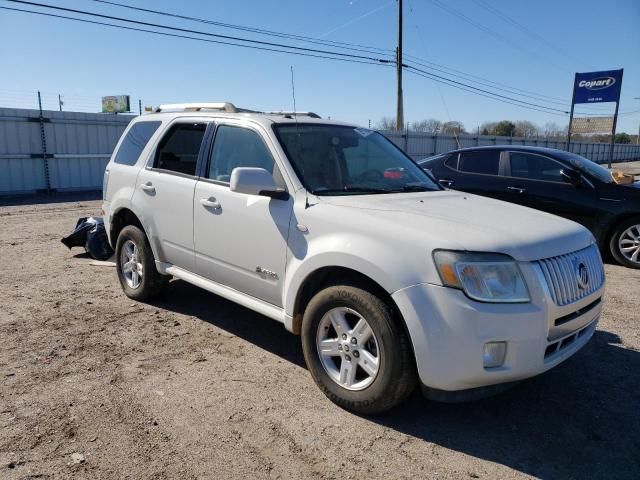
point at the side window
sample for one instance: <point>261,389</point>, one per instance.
<point>486,162</point>
<point>178,150</point>
<point>135,141</point>
<point>534,167</point>
<point>452,162</point>
<point>239,147</point>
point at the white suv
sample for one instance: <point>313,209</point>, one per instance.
<point>333,231</point>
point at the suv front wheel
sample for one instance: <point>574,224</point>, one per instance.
<point>357,352</point>
<point>136,266</point>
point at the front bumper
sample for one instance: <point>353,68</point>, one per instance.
<point>449,330</point>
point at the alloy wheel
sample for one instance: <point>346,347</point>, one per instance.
<point>629,244</point>
<point>348,348</point>
<point>130,264</point>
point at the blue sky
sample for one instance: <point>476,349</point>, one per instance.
<point>84,62</point>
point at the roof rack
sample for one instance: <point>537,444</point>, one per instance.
<point>295,114</point>
<point>196,107</point>
<point>225,107</point>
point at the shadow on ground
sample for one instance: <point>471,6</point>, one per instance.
<point>579,420</point>
<point>53,197</point>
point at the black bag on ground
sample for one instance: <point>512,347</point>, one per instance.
<point>90,234</point>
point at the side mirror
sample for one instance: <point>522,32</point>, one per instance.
<point>255,181</point>
<point>571,176</point>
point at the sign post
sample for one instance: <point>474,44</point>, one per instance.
<point>597,87</point>
<point>573,102</point>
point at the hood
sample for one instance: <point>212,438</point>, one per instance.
<point>460,221</point>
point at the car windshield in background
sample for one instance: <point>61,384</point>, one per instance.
<point>589,167</point>
<point>339,160</point>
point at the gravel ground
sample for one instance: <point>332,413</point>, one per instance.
<point>93,385</point>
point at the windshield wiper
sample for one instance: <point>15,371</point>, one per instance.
<point>413,187</point>
<point>348,189</point>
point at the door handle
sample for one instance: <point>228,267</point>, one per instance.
<point>446,182</point>
<point>517,189</point>
<point>148,187</point>
<point>210,202</point>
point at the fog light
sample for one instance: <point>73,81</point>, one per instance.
<point>494,353</point>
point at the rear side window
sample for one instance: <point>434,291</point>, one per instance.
<point>534,167</point>
<point>484,162</point>
<point>135,141</point>
<point>179,148</point>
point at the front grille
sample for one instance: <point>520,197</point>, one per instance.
<point>561,344</point>
<point>563,276</point>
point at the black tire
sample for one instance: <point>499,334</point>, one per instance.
<point>396,376</point>
<point>151,283</point>
<point>614,242</point>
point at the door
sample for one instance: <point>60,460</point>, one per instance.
<point>241,240</point>
<point>475,171</point>
<point>164,193</point>
<point>534,180</point>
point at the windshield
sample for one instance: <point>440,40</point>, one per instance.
<point>337,160</point>
<point>589,167</point>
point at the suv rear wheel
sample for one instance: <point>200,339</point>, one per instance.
<point>136,267</point>
<point>357,352</point>
<point>625,243</point>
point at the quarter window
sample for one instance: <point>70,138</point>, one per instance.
<point>452,162</point>
<point>534,167</point>
<point>486,162</point>
<point>239,147</point>
<point>135,141</point>
<point>178,150</point>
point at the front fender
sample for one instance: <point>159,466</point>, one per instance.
<point>392,269</point>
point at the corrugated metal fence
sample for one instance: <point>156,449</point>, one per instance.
<point>67,151</point>
<point>420,145</point>
<point>63,151</point>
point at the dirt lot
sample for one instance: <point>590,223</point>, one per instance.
<point>194,386</point>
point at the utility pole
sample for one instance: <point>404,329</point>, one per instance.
<point>399,106</point>
<point>60,102</point>
<point>638,137</point>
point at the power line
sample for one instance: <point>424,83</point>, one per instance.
<point>527,30</point>
<point>366,60</point>
<point>487,96</point>
<point>493,33</point>
<point>358,59</point>
<point>482,92</point>
<point>291,36</point>
<point>198,32</point>
<point>489,83</point>
<point>331,43</point>
<point>484,81</point>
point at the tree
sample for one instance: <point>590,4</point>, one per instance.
<point>386,123</point>
<point>505,128</point>
<point>488,128</point>
<point>430,125</point>
<point>525,128</point>
<point>553,130</point>
<point>622,138</point>
<point>453,128</point>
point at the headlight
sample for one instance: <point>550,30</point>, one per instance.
<point>486,277</point>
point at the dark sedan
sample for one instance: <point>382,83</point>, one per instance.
<point>554,181</point>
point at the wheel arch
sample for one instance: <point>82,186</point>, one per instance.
<point>615,223</point>
<point>327,276</point>
<point>120,219</point>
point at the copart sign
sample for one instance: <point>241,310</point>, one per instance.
<point>594,87</point>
